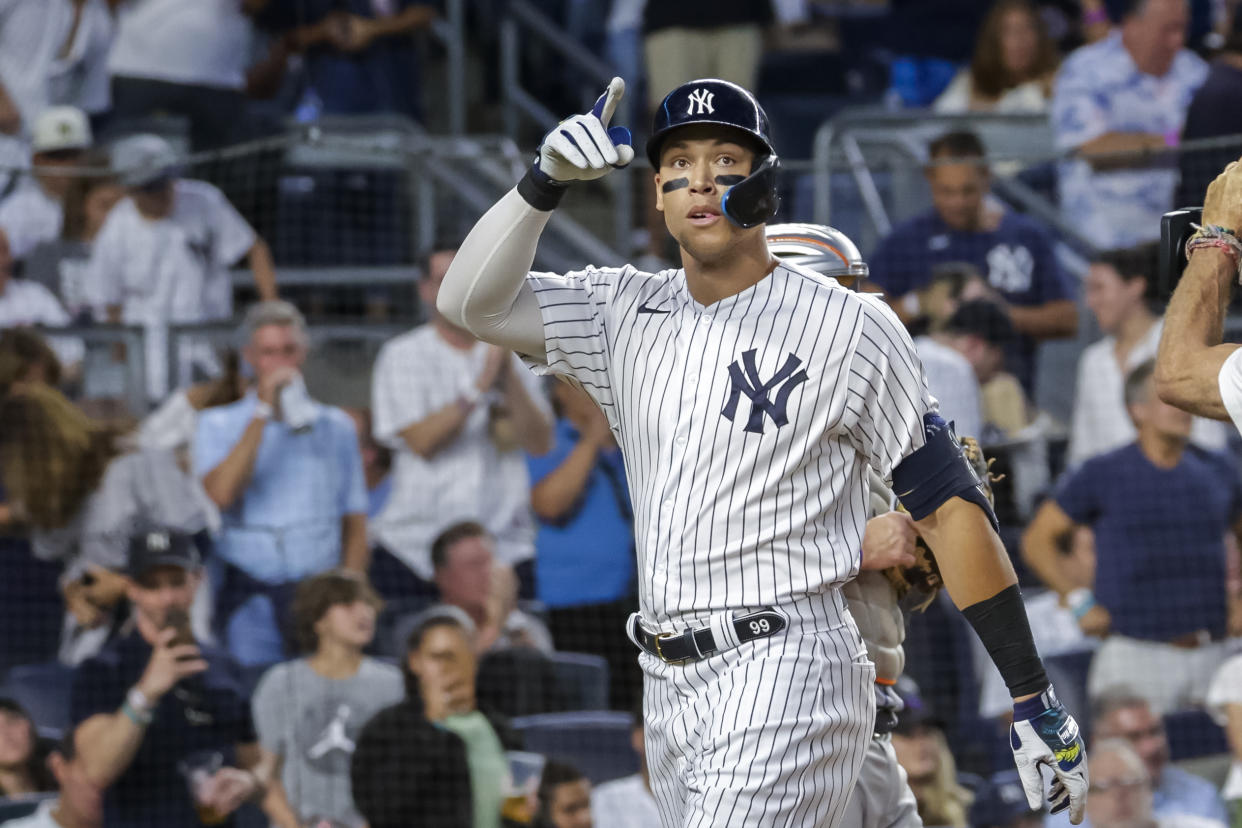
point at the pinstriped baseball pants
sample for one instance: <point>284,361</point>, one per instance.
<point>771,733</point>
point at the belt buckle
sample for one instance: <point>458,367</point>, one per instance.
<point>660,652</point>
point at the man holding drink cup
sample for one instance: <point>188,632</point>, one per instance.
<point>163,723</point>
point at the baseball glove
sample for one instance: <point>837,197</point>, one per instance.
<point>917,585</point>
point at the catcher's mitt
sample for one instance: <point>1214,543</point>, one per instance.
<point>917,585</point>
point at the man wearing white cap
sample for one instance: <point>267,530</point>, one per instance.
<point>164,252</point>
<point>34,212</point>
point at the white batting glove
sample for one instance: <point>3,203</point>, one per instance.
<point>583,148</point>
<point>1045,734</point>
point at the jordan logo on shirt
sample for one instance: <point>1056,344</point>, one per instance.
<point>747,382</point>
<point>333,736</point>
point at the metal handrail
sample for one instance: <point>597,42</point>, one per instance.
<point>133,337</point>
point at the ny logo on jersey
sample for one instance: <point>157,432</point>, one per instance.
<point>701,103</point>
<point>756,390</point>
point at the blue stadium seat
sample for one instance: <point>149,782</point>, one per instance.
<point>1192,734</point>
<point>583,679</point>
<point>597,743</point>
<point>21,806</point>
<point>43,692</point>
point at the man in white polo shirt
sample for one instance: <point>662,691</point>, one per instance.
<point>34,212</point>
<point>164,253</point>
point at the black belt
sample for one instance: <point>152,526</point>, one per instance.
<point>694,644</point>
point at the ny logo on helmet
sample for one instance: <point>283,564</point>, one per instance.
<point>701,103</point>
<point>747,382</point>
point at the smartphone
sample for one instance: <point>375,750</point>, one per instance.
<point>1176,228</point>
<point>179,620</point>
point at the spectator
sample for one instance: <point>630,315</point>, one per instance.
<point>376,462</point>
<point>25,357</point>
<point>155,705</point>
<point>26,303</point>
<point>359,57</point>
<point>457,413</point>
<point>164,252</point>
<point>628,802</point>
<point>1164,615</point>
<point>1215,111</point>
<point>309,712</point>
<point>1116,291</point>
<point>1121,792</point>
<point>72,481</point>
<point>285,473</point>
<point>187,58</point>
<point>468,577</point>
<point>1225,702</point>
<point>22,768</point>
<point>1116,103</point>
<point>61,264</point>
<point>965,225</point>
<point>34,211</point>
<point>79,805</point>
<point>564,797</point>
<point>929,42</point>
<point>1012,68</point>
<point>930,770</point>
<point>584,563</point>
<point>440,672</point>
<point>980,331</point>
<point>1002,804</point>
<point>1053,624</point>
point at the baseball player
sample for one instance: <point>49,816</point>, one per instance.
<point>750,400</point>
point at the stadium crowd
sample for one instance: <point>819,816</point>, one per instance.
<point>246,606</point>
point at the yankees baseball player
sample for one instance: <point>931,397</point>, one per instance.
<point>749,398</point>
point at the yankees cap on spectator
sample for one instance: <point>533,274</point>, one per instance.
<point>142,160</point>
<point>61,128</point>
<point>152,547</point>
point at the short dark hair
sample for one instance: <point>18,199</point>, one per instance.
<point>1136,383</point>
<point>453,535</point>
<point>983,319</point>
<point>555,773</point>
<point>440,615</point>
<point>959,144</point>
<point>1138,262</point>
<point>320,593</point>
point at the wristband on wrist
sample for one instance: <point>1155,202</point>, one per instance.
<point>263,411</point>
<point>141,718</point>
<point>539,191</point>
<point>139,701</point>
<point>1080,601</point>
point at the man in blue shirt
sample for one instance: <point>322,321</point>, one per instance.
<point>965,226</point>
<point>1160,510</point>
<point>157,713</point>
<point>584,561</point>
<point>287,476</point>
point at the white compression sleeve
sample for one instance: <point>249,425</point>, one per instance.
<point>485,290</point>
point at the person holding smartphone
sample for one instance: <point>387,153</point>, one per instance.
<point>163,724</point>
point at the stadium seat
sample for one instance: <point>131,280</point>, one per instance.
<point>583,679</point>
<point>1192,734</point>
<point>20,806</point>
<point>519,681</point>
<point>597,743</point>
<point>43,692</point>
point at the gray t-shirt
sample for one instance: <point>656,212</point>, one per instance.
<point>313,723</point>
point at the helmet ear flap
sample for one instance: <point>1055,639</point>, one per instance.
<point>754,199</point>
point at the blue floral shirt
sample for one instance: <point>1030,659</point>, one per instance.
<point>1099,90</point>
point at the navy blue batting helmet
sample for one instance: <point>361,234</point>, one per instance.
<point>712,101</point>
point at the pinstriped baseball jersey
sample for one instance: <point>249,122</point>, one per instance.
<point>747,426</point>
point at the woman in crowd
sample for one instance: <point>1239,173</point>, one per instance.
<point>564,797</point>
<point>930,770</point>
<point>82,490</point>
<point>23,769</point>
<point>1012,68</point>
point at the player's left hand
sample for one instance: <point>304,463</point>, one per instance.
<point>1043,733</point>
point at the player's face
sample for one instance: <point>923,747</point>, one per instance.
<point>352,625</point>
<point>1110,297</point>
<point>162,589</point>
<point>697,166</point>
<point>571,805</point>
<point>273,347</point>
<point>957,192</point>
<point>1120,795</point>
